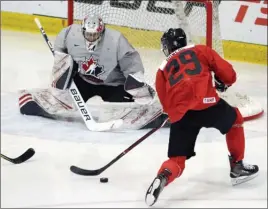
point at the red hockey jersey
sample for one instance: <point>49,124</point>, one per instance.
<point>184,80</point>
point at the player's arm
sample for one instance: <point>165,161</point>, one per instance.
<point>225,75</point>
<point>160,85</point>
<point>129,59</point>
<point>222,68</point>
<point>60,42</point>
<point>130,63</point>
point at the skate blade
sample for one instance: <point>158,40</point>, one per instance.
<point>150,199</point>
<point>243,179</point>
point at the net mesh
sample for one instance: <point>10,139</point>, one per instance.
<point>150,20</point>
<point>143,23</point>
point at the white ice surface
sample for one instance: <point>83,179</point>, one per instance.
<point>45,180</point>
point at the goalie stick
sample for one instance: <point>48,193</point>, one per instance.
<point>96,172</point>
<point>78,100</point>
<point>24,157</point>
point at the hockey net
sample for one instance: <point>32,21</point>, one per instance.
<point>143,23</point>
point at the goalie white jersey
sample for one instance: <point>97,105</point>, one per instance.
<point>109,63</point>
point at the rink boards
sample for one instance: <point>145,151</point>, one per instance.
<point>233,50</point>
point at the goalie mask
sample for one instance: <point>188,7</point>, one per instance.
<point>93,29</point>
<point>173,39</point>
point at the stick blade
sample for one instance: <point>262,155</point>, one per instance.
<point>25,156</point>
<point>84,172</point>
<point>105,126</point>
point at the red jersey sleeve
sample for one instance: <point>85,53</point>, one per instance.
<point>160,85</point>
<point>222,69</point>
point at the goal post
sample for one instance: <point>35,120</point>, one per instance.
<point>77,9</point>
<point>70,12</point>
<point>143,23</point>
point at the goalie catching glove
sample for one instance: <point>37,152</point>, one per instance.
<point>219,85</point>
<point>63,71</point>
<point>142,93</point>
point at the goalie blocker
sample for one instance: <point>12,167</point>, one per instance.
<point>45,104</point>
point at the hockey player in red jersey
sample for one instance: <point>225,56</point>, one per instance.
<point>184,84</point>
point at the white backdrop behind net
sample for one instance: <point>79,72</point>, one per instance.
<point>143,23</point>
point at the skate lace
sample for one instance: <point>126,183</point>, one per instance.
<point>248,166</point>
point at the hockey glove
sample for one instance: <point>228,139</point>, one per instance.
<point>219,85</point>
<point>63,71</point>
<point>142,93</point>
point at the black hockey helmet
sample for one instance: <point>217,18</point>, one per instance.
<point>173,39</point>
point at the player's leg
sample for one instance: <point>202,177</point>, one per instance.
<point>118,94</point>
<point>156,122</point>
<point>115,94</point>
<point>86,89</point>
<point>240,172</point>
<point>34,104</point>
<point>51,103</point>
<point>228,120</point>
<point>181,147</point>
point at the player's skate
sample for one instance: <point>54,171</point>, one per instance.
<point>242,172</point>
<point>156,187</point>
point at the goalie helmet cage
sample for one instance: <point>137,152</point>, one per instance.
<point>143,23</point>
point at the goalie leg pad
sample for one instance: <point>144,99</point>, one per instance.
<point>134,116</point>
<point>47,103</point>
<point>30,107</point>
<point>157,122</point>
<point>64,69</point>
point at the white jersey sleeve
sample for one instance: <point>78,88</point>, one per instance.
<point>128,58</point>
<point>60,42</point>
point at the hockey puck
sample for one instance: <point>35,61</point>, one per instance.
<point>103,180</point>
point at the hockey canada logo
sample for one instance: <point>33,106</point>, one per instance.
<point>92,70</point>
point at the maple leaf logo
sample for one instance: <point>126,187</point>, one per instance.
<point>91,67</point>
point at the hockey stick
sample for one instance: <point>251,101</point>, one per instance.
<point>78,99</point>
<point>25,156</point>
<point>96,172</point>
